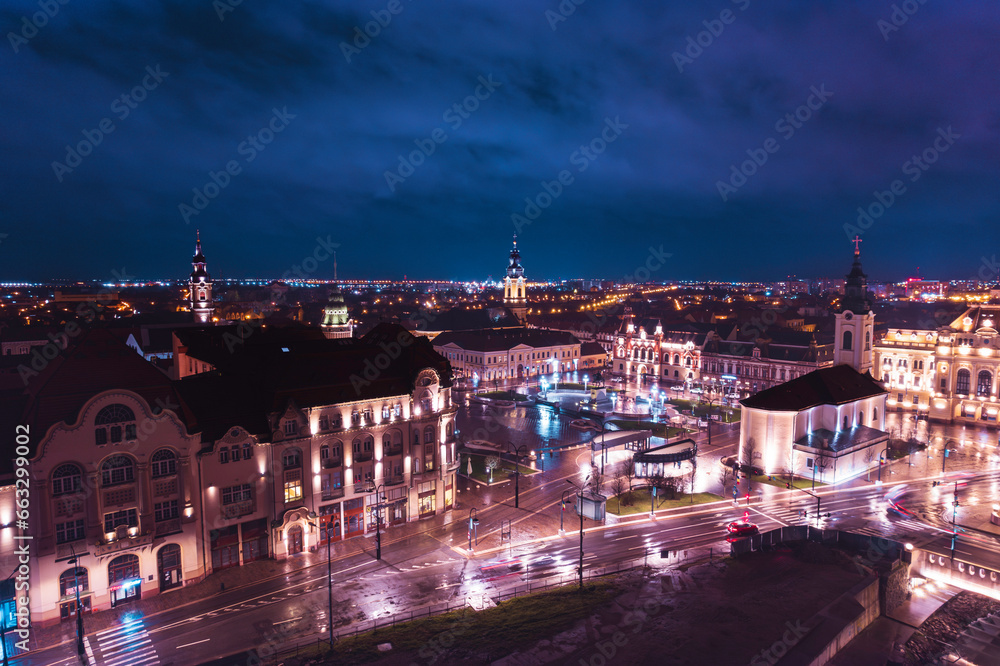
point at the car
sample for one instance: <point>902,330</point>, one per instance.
<point>676,388</point>
<point>617,380</point>
<point>741,528</point>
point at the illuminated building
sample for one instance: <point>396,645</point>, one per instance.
<point>515,295</point>
<point>337,322</point>
<point>200,286</point>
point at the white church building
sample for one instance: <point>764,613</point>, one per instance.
<point>827,424</point>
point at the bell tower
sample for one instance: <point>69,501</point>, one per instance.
<point>200,286</point>
<point>855,323</point>
<point>515,295</point>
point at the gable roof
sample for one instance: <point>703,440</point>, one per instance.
<point>836,385</point>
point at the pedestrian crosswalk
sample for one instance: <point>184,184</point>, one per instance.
<point>793,516</point>
<point>128,644</point>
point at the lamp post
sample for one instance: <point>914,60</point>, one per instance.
<point>80,650</point>
<point>882,453</point>
<point>517,471</point>
<point>473,522</point>
<point>944,454</point>
<point>329,574</point>
<point>579,495</point>
<point>377,489</point>
<point>562,513</point>
<point>586,380</point>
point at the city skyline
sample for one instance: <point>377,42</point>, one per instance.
<point>740,139</point>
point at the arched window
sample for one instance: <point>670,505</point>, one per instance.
<point>861,417</point>
<point>868,340</point>
<point>874,417</point>
<point>386,441</point>
<point>848,340</point>
<point>962,381</point>
<point>677,359</point>
<point>845,422</point>
<point>66,479</point>
<point>324,452</point>
<point>123,567</point>
<point>70,579</point>
<point>449,429</point>
<point>291,459</point>
<point>117,470</point>
<point>112,422</point>
<point>164,463</point>
<point>429,435</point>
<point>984,383</point>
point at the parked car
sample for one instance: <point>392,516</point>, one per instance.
<point>740,528</point>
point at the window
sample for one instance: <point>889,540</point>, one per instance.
<point>70,579</point>
<point>324,422</point>
<point>944,383</point>
<point>845,423</point>
<point>247,450</point>
<point>962,381</point>
<point>848,340</point>
<point>66,479</point>
<point>71,531</point>
<point>224,454</point>
<point>324,453</point>
<point>164,463</point>
<point>166,511</point>
<point>234,494</point>
<point>108,424</point>
<point>291,459</point>
<point>291,428</point>
<point>916,400</point>
<point>293,486</point>
<point>984,383</point>
<point>116,470</point>
<point>429,435</point>
<point>874,417</point>
<point>129,517</point>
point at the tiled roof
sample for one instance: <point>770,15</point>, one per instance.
<point>836,385</point>
<point>490,340</point>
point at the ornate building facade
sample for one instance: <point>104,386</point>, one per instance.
<point>945,374</point>
<point>337,322</point>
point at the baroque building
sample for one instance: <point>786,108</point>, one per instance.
<point>515,294</point>
<point>275,443</point>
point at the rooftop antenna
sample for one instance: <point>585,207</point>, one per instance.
<point>335,266</point>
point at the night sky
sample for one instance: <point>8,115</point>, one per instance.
<point>309,137</point>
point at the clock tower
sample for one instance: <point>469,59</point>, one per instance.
<point>515,294</point>
<point>855,323</point>
<point>200,287</point>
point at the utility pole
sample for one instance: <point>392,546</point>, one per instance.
<point>954,514</point>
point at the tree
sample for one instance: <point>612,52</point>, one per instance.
<point>869,457</point>
<point>596,481</point>
<point>492,462</point>
<point>620,488</point>
<point>628,469</point>
<point>790,463</point>
<point>750,451</point>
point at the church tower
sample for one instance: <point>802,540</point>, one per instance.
<point>515,295</point>
<point>200,287</point>
<point>337,322</point>
<point>855,323</point>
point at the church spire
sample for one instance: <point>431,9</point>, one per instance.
<point>515,295</point>
<point>200,285</point>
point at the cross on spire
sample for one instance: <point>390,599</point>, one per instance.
<point>857,244</point>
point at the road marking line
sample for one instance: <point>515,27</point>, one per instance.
<point>195,643</point>
<point>287,621</point>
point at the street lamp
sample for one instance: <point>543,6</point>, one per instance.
<point>372,488</point>
<point>517,471</point>
<point>80,649</point>
<point>579,509</point>
<point>329,576</point>
<point>562,504</point>
<point>586,380</point>
<point>944,454</point>
<point>882,453</point>
<point>473,523</point>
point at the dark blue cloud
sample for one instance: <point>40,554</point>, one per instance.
<point>324,173</point>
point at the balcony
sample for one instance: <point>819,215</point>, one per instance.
<point>362,456</point>
<point>331,463</point>
<point>168,526</point>
<point>394,450</point>
<point>393,480</point>
<point>121,541</point>
<point>238,509</point>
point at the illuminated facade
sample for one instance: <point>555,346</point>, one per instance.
<point>337,322</point>
<point>855,323</point>
<point>947,374</point>
<point>515,293</point>
<point>200,287</point>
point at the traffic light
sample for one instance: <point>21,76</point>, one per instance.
<point>935,483</point>
<point>788,485</point>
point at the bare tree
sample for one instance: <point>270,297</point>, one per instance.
<point>750,451</point>
<point>596,481</point>
<point>628,469</point>
<point>491,463</point>
<point>869,457</point>
<point>823,463</point>
<point>790,463</point>
<point>620,489</point>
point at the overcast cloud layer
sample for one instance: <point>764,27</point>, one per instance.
<point>216,74</point>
